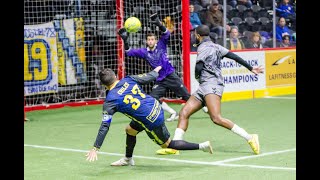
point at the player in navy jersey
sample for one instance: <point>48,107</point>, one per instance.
<point>156,55</point>
<point>126,96</point>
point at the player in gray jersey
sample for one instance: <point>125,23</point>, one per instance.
<point>209,93</point>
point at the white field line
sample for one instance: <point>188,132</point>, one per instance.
<point>255,156</point>
<point>215,163</point>
<point>275,97</point>
<point>257,166</point>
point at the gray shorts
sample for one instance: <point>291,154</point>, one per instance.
<point>208,88</point>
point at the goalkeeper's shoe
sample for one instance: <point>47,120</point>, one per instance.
<point>172,117</point>
<point>124,162</point>
<point>254,143</point>
<point>206,147</point>
<point>165,151</point>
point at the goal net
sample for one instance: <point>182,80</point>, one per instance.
<point>67,42</point>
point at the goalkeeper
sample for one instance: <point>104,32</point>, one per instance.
<point>145,112</point>
<point>156,55</point>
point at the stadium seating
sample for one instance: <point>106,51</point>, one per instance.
<point>236,21</point>
<point>197,8</point>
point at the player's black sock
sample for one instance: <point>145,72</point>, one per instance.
<point>131,142</point>
<point>183,145</point>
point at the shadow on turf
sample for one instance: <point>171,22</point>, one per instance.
<point>238,149</point>
<point>156,168</point>
<point>139,170</point>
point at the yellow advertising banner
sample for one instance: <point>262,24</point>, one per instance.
<point>280,67</point>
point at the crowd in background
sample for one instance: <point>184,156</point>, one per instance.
<point>249,23</point>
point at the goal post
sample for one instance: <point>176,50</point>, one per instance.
<point>186,44</point>
<point>120,45</point>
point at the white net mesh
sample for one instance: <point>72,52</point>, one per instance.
<point>67,42</point>
<point>171,17</point>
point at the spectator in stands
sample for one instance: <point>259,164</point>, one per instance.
<point>285,9</point>
<point>194,17</point>
<point>282,29</point>
<point>285,41</point>
<point>234,43</point>
<point>234,3</point>
<point>265,36</point>
<point>214,19</point>
<point>255,41</point>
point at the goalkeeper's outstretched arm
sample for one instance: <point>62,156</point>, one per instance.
<point>130,52</point>
<point>156,21</point>
<point>124,36</point>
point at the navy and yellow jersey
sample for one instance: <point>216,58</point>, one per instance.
<point>128,98</point>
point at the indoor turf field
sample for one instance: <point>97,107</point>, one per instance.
<point>56,142</point>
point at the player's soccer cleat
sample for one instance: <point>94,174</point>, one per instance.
<point>205,109</point>
<point>123,162</point>
<point>165,151</point>
<point>254,143</point>
<point>206,147</point>
<point>173,117</point>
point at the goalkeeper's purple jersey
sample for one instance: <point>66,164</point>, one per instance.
<point>157,57</point>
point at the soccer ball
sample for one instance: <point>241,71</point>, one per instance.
<point>132,24</point>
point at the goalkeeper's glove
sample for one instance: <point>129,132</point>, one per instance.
<point>124,36</point>
<point>156,21</point>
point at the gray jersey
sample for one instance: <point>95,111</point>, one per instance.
<point>211,55</point>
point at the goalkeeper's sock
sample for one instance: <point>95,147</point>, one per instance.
<point>183,145</point>
<point>241,132</point>
<point>178,134</point>
<point>167,108</point>
<point>130,143</point>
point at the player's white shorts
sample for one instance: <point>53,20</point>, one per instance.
<point>208,88</point>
